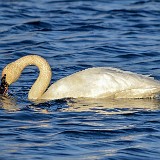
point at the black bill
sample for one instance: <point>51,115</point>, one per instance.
<point>4,85</point>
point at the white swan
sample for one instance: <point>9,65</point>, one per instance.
<point>97,82</point>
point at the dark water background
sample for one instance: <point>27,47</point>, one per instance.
<point>73,35</point>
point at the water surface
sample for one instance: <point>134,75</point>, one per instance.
<point>71,36</point>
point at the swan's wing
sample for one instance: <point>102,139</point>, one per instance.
<point>95,82</point>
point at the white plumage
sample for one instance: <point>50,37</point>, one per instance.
<point>104,82</point>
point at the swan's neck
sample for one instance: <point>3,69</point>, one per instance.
<point>44,77</point>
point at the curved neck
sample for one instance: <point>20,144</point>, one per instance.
<point>44,77</point>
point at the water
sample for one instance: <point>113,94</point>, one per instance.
<point>74,35</point>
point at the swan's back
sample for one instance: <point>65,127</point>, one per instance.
<point>104,82</point>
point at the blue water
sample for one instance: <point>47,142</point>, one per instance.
<point>73,35</point>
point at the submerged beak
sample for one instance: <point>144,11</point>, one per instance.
<point>4,85</point>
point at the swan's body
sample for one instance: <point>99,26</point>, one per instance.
<point>97,82</point>
<point>103,82</point>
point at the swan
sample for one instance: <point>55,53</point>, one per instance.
<point>98,82</point>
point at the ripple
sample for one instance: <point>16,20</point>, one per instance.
<point>129,56</point>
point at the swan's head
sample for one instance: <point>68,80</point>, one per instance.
<point>12,73</point>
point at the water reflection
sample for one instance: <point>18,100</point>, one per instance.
<point>12,104</point>
<point>105,106</point>
<point>112,106</point>
<point>8,103</point>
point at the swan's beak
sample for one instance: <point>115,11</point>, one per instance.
<point>4,85</point>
